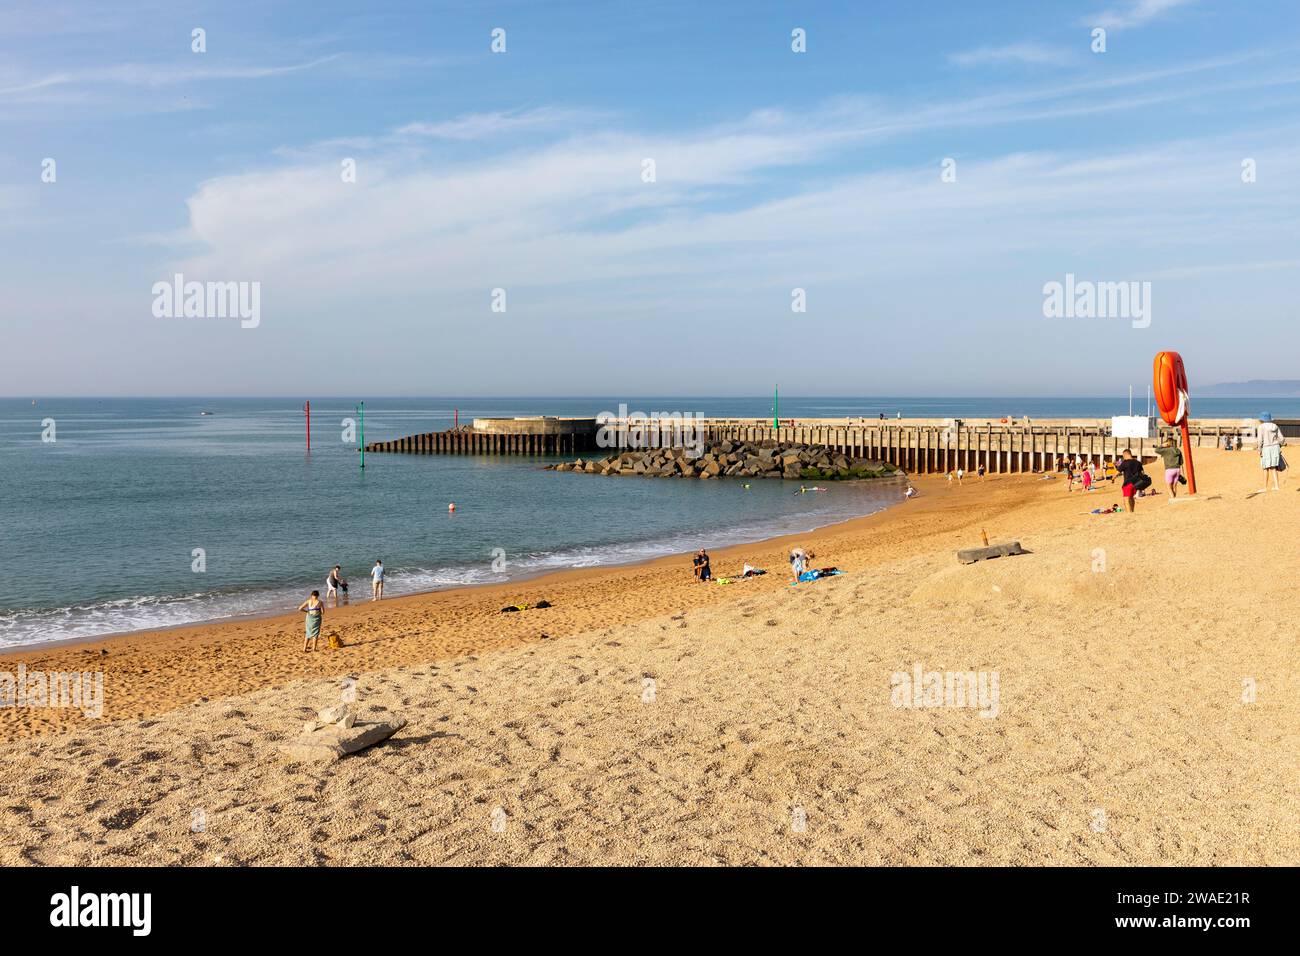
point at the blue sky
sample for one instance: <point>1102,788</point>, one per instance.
<point>522,171</point>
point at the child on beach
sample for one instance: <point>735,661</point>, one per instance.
<point>377,581</point>
<point>315,609</point>
<point>1087,477</point>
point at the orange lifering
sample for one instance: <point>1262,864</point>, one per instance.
<point>1170,385</point>
<point>1004,421</point>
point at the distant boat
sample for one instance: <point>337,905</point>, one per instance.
<point>205,413</point>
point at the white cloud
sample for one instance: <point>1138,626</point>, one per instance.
<point>717,226</point>
<point>148,75</point>
<point>1133,14</point>
<point>477,126</point>
<point>1035,54</point>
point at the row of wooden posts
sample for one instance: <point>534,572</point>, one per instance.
<point>917,449</point>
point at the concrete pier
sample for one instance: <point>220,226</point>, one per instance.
<point>917,448</point>
<point>531,435</point>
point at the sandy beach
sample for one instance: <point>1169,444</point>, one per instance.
<point>1146,710</point>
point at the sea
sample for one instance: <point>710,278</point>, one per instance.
<point>121,514</point>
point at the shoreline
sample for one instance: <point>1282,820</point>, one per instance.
<point>136,663</point>
<point>523,578</point>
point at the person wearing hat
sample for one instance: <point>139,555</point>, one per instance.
<point>1270,449</point>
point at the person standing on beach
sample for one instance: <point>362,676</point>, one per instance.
<point>798,562</point>
<point>1131,474</point>
<point>377,581</point>
<point>1270,449</point>
<point>1172,456</point>
<point>315,610</point>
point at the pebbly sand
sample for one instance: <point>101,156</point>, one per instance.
<point>649,719</point>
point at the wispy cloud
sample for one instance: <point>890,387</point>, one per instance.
<point>1035,54</point>
<point>478,126</point>
<point>151,75</point>
<point>1133,14</point>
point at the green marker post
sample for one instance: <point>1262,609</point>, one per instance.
<point>776,406</point>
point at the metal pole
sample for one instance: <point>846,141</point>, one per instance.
<point>361,413</point>
<point>307,408</point>
<point>1187,458</point>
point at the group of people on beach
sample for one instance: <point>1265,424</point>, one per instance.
<point>335,585</point>
<point>1128,471</point>
<point>960,475</point>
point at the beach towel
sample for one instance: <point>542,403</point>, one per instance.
<point>524,607</point>
<point>817,573</point>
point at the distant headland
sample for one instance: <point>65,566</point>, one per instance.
<point>1262,387</point>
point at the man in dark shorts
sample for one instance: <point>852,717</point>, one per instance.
<point>702,572</point>
<point>1130,475</point>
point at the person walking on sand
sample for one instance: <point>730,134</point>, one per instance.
<point>1132,476</point>
<point>315,609</point>
<point>1270,449</point>
<point>377,581</point>
<point>1172,456</point>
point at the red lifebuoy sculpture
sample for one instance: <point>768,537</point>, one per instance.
<point>1170,386</point>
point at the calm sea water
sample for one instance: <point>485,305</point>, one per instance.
<point>98,529</point>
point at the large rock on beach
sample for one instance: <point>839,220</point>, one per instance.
<point>334,741</point>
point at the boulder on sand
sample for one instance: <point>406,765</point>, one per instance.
<point>334,741</point>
